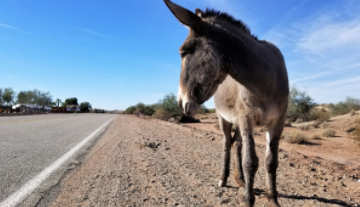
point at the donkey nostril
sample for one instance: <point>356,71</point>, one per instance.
<point>187,108</point>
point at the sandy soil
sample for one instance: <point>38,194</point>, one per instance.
<point>141,162</point>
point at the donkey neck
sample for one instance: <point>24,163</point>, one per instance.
<point>246,62</point>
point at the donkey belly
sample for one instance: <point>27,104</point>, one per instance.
<point>232,100</point>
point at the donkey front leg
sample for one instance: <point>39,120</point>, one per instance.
<point>250,162</point>
<point>225,127</point>
<point>273,135</point>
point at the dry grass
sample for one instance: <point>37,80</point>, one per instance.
<point>357,121</point>
<point>324,125</point>
<point>288,122</point>
<point>328,133</point>
<point>294,137</point>
<point>305,127</point>
<point>352,112</point>
<point>355,133</point>
<point>316,137</point>
<point>320,116</point>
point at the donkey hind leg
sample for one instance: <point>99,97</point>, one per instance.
<point>250,162</point>
<point>273,135</point>
<point>225,127</point>
<point>238,170</point>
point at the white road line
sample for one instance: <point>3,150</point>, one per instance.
<point>19,195</point>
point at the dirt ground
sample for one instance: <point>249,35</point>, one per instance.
<point>146,162</point>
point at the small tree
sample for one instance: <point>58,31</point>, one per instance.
<point>35,97</point>
<point>170,106</point>
<point>1,94</point>
<point>85,107</point>
<point>299,104</point>
<point>8,96</point>
<point>71,101</point>
<point>58,101</point>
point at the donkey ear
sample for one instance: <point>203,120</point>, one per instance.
<point>185,16</point>
<point>198,12</point>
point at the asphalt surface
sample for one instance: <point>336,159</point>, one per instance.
<point>28,144</point>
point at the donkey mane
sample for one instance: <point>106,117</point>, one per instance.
<point>221,17</point>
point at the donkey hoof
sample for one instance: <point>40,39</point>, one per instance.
<point>274,204</point>
<point>272,198</point>
<point>240,183</point>
<point>221,183</point>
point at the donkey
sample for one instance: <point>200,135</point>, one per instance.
<point>249,81</point>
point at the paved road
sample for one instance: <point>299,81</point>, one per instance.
<point>29,144</point>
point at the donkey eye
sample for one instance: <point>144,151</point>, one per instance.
<point>183,54</point>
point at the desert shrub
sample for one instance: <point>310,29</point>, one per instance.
<point>298,121</point>
<point>352,112</point>
<point>305,127</point>
<point>356,133</point>
<point>345,107</point>
<point>161,114</point>
<point>294,137</point>
<point>288,122</point>
<point>320,116</point>
<point>299,105</point>
<point>168,107</point>
<point>328,133</point>
<point>141,108</point>
<point>357,121</point>
<point>130,110</point>
<point>316,137</point>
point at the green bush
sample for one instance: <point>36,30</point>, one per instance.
<point>130,110</point>
<point>165,109</point>
<point>299,105</point>
<point>85,107</point>
<point>168,108</point>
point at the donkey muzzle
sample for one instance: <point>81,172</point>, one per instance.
<point>191,108</point>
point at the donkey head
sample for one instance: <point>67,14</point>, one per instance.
<point>201,61</point>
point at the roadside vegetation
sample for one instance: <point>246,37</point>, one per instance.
<point>350,105</point>
<point>354,131</point>
<point>302,108</point>
<point>294,137</point>
<point>299,105</point>
<point>166,109</point>
<point>8,98</point>
<point>328,133</point>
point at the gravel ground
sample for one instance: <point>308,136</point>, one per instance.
<point>141,162</point>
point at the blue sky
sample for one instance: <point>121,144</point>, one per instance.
<point>117,53</point>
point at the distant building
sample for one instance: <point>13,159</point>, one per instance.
<point>72,108</point>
